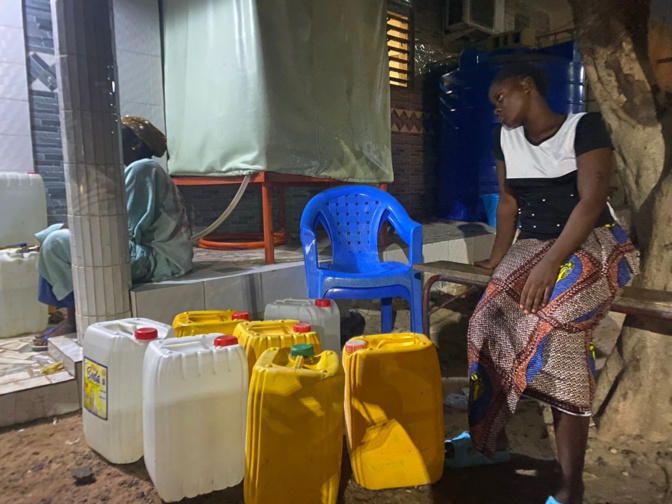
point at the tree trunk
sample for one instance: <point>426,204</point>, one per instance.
<point>623,45</point>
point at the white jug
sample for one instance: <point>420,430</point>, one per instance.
<point>112,382</point>
<point>194,414</point>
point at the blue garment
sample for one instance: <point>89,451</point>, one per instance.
<point>45,294</point>
<point>158,231</point>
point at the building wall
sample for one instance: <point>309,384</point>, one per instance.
<point>16,154</point>
<point>137,32</point>
<point>43,96</point>
<point>414,152</point>
<point>414,142</point>
<point>519,14</point>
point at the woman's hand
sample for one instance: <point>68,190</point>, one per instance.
<point>539,286</point>
<point>488,264</point>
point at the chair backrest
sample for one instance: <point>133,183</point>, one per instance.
<point>352,216</point>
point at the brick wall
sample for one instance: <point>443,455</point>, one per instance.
<point>205,204</point>
<point>43,99</point>
<point>414,144</point>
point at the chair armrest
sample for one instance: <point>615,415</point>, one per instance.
<point>309,244</point>
<point>411,233</point>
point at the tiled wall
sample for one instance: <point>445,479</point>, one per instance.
<point>137,32</point>
<point>44,119</point>
<point>16,152</point>
<point>414,142</point>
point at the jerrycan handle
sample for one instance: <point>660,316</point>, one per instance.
<point>301,352</point>
<point>405,341</point>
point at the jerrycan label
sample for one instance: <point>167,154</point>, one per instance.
<point>95,388</point>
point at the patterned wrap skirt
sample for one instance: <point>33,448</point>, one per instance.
<point>548,355</point>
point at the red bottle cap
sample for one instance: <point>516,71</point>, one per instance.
<point>146,333</point>
<point>241,315</point>
<point>225,340</point>
<point>356,344</point>
<point>302,327</point>
<point>323,303</point>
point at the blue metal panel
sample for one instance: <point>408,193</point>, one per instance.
<point>466,165</point>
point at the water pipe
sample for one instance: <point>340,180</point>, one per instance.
<point>225,214</point>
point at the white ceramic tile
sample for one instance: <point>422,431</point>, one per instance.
<point>14,377</point>
<point>237,292</point>
<point>15,117</point>
<point>12,44</point>
<point>135,83</point>
<point>66,349</point>
<point>154,68</point>
<point>461,250</point>
<point>13,81</point>
<point>73,149</point>
<point>56,399</point>
<point>159,117</point>
<point>16,386</point>
<point>137,26</point>
<point>435,252</point>
<point>483,246</point>
<point>162,302</point>
<point>395,252</point>
<point>136,109</point>
<point>11,13</point>
<point>60,377</point>
<point>284,283</point>
<point>16,153</point>
<point>13,344</point>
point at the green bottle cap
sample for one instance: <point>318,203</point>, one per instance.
<point>302,350</point>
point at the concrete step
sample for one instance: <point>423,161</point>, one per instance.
<point>27,393</point>
<point>67,349</point>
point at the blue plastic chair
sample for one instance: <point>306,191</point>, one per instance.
<point>352,217</point>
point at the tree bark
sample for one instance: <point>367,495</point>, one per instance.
<point>618,40</point>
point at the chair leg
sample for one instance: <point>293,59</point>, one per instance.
<point>386,315</point>
<point>416,316</point>
<point>415,306</point>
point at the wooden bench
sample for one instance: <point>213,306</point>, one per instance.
<point>634,301</point>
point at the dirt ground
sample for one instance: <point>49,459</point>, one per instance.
<point>36,460</point>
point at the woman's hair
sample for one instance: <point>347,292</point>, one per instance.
<point>521,70</point>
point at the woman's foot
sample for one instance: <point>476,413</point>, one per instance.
<point>40,340</point>
<point>461,453</point>
<point>568,495</point>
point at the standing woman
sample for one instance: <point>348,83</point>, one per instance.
<point>532,331</point>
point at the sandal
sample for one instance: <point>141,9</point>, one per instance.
<point>466,456</point>
<point>40,342</point>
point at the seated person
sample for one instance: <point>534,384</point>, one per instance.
<point>158,231</point>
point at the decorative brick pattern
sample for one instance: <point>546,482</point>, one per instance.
<point>414,147</point>
<point>43,97</point>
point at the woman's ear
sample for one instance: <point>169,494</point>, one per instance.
<point>527,83</point>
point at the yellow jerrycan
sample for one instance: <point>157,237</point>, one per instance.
<point>294,427</point>
<point>195,323</point>
<point>258,336</point>
<point>393,410</point>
